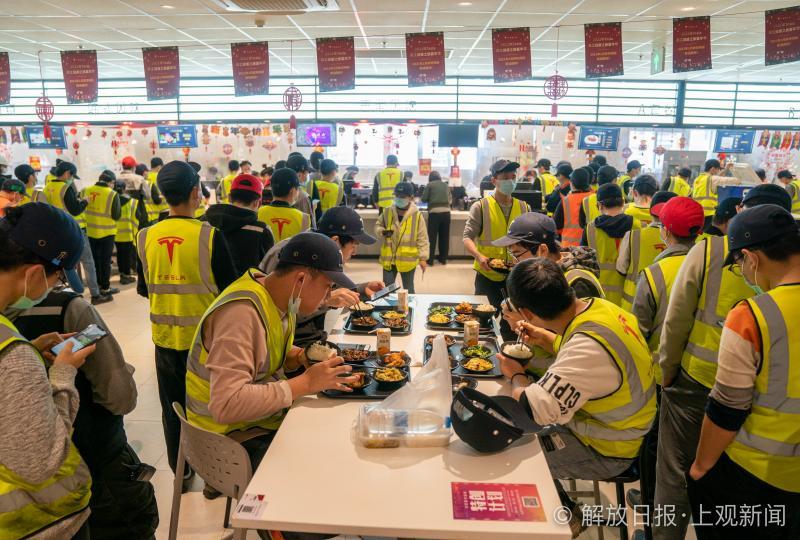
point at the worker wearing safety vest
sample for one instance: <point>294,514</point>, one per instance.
<point>703,190</point>
<point>308,195</point>
<point>385,181</point>
<point>62,193</point>
<point>102,214</point>
<point>242,390</point>
<point>331,191</point>
<point>625,181</point>
<point>132,219</point>
<point>569,216</point>
<point>183,265</point>
<point>280,215</point>
<point>27,175</point>
<point>488,220</point>
<point>642,190</point>
<point>11,193</point>
<point>563,173</point>
<point>726,209</point>
<point>227,181</point>
<point>597,401</point>
<point>404,237</point>
<point>605,234</point>
<point>45,484</point>
<point>606,174</point>
<point>748,452</point>
<point>156,204</point>
<point>545,181</point>
<point>640,247</point>
<point>787,179</point>
<point>679,184</point>
<point>688,353</point>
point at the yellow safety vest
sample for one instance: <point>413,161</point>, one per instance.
<point>387,179</point>
<point>99,222</point>
<point>27,508</point>
<point>768,443</point>
<point>127,224</point>
<point>637,212</point>
<point>590,209</point>
<point>495,226</point>
<point>49,178</point>
<point>308,187</point>
<point>575,274</point>
<point>548,183</point>
<point>154,209</point>
<point>176,262</point>
<point>645,245</point>
<point>37,196</point>
<point>198,378</point>
<point>796,197</point>
<point>614,425</point>
<point>704,193</point>
<point>621,181</point>
<point>54,194</point>
<point>200,211</point>
<point>607,249</point>
<point>227,182</point>
<point>284,222</point>
<point>679,186</point>
<point>401,249</point>
<point>722,290</point>
<point>660,278</point>
<point>330,194</point>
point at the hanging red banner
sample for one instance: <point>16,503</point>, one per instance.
<point>162,72</point>
<point>425,167</point>
<point>511,54</point>
<point>250,63</point>
<point>336,64</point>
<point>603,45</point>
<point>425,58</point>
<point>80,75</point>
<point>5,79</point>
<point>691,44</point>
<point>782,35</point>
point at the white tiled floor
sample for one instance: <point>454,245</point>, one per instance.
<point>127,317</point>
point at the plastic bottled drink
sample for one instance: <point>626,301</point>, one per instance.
<point>396,422</point>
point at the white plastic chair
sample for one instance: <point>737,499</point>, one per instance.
<point>219,460</point>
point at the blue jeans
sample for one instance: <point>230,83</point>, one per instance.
<point>389,277</point>
<point>89,271</point>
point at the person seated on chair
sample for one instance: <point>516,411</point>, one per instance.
<point>597,401</point>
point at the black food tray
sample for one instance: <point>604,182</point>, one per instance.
<point>350,329</point>
<point>454,325</point>
<point>455,351</point>
<point>370,391</point>
<point>359,347</point>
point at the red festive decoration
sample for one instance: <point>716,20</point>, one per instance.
<point>555,88</point>
<point>73,131</point>
<point>129,133</point>
<point>660,150</point>
<point>144,132</point>
<point>227,149</point>
<point>104,134</point>
<point>88,132</point>
<point>341,129</point>
<point>293,122</point>
<point>186,151</point>
<point>454,152</point>
<point>45,111</point>
<point>682,142</point>
<point>572,131</point>
<point>153,146</point>
<point>491,134</point>
<point>292,98</point>
<point>119,134</point>
<point>76,146</point>
<point>115,146</point>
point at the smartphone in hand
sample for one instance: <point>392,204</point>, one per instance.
<point>88,336</point>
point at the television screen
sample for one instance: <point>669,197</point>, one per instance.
<point>177,136</point>
<point>463,135</point>
<point>316,134</point>
<point>598,138</point>
<point>734,141</point>
<point>36,138</point>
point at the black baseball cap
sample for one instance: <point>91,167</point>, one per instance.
<point>608,192</point>
<point>768,194</point>
<point>298,163</point>
<point>785,174</point>
<point>195,165</point>
<point>634,165</point>
<point>14,185</point>
<point>47,232</point>
<point>65,166</point>
<point>107,176</point>
<point>327,166</point>
<point>606,174</point>
<point>565,169</point>
<point>544,162</point>
<point>754,226</point>
<point>530,227</point>
<point>685,172</point>
<point>391,159</point>
<point>727,209</point>
<point>489,424</point>
<point>404,189</point>
<point>156,162</point>
<point>24,171</point>
<point>317,251</point>
<point>177,178</point>
<point>343,220</point>
<point>283,180</point>
<point>503,165</point>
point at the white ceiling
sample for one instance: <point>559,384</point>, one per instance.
<point>117,29</point>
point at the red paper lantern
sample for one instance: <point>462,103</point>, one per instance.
<point>186,151</point>
<point>119,133</point>
<point>104,134</point>
<point>144,131</point>
<point>73,131</point>
<point>76,146</point>
<point>88,132</point>
<point>293,122</point>
<point>153,146</point>
<point>555,88</point>
<point>129,133</point>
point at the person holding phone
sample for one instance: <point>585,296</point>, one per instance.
<point>37,407</point>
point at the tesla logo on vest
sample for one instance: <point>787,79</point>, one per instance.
<point>170,242</point>
<point>627,328</point>
<point>280,222</point>
<point>322,192</point>
<point>93,196</point>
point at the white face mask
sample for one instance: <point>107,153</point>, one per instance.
<point>293,306</point>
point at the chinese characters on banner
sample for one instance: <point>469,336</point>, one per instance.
<point>425,58</point>
<point>691,44</point>
<point>5,79</point>
<point>511,54</point>
<point>603,45</point>
<point>80,75</point>
<point>250,63</point>
<point>336,64</point>
<point>425,166</point>
<point>497,502</point>
<point>162,72</point>
<point>782,36</point>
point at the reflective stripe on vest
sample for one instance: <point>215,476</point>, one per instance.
<point>590,208</point>
<point>328,194</point>
<point>99,223</point>
<point>615,425</point>
<point>388,178</point>
<point>127,223</point>
<point>796,197</point>
<point>401,249</point>
<point>721,291</point>
<point>704,193</point>
<point>640,213</point>
<point>679,186</point>
<point>176,262</point>
<point>225,190</point>
<point>25,507</point>
<point>54,195</point>
<point>198,377</point>
<point>768,443</point>
<point>572,231</point>
<point>284,222</point>
<point>495,226</point>
<point>575,274</point>
<point>660,277</point>
<point>645,245</point>
<point>548,183</point>
<point>607,249</point>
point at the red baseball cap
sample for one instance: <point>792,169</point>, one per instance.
<point>247,182</point>
<point>682,216</point>
<point>129,162</point>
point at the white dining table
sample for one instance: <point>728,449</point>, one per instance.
<point>315,478</point>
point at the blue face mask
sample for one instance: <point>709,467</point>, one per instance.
<point>755,286</point>
<point>506,187</point>
<point>401,202</point>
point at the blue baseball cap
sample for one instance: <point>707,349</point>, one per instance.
<point>315,250</point>
<point>45,231</point>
